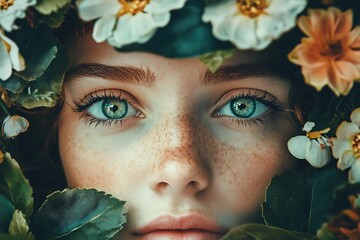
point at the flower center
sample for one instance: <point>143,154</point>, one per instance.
<point>5,4</point>
<point>252,8</point>
<point>356,145</point>
<point>333,50</point>
<point>132,6</point>
<point>317,134</point>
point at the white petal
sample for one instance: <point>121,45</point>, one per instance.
<point>13,125</point>
<point>346,130</point>
<point>92,9</point>
<point>103,28</point>
<point>308,126</point>
<point>355,116</point>
<point>7,22</point>
<point>354,173</point>
<point>286,7</point>
<point>269,27</point>
<point>161,19</point>
<point>215,12</point>
<point>162,6</point>
<point>242,32</point>
<point>298,146</point>
<point>346,160</point>
<point>5,63</point>
<point>317,155</point>
<point>17,61</point>
<point>340,146</point>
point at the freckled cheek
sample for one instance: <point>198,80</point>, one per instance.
<point>91,161</point>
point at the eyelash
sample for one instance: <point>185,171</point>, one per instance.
<point>82,104</point>
<point>261,96</point>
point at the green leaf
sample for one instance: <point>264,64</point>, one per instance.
<point>14,186</point>
<point>44,91</point>
<point>263,232</point>
<point>78,214</point>
<point>18,225</point>
<point>6,212</point>
<point>299,200</point>
<point>39,53</point>
<point>189,35</point>
<point>49,6</point>
<point>324,234</point>
<point>214,60</point>
<point>55,19</point>
<point>14,84</point>
<point>10,237</point>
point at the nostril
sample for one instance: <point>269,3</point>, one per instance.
<point>162,185</point>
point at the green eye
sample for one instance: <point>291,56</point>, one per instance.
<point>243,107</point>
<point>114,108</point>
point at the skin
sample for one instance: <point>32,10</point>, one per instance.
<point>176,157</point>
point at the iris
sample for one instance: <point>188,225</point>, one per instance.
<point>114,108</point>
<point>243,107</point>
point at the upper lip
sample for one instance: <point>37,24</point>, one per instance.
<point>186,222</point>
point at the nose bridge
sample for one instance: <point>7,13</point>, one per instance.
<point>181,165</point>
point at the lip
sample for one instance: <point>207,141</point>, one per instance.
<point>188,227</point>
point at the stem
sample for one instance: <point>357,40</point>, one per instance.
<point>4,107</point>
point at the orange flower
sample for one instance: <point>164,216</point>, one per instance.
<point>330,55</point>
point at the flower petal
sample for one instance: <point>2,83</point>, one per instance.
<point>347,70</point>
<point>316,77</point>
<point>355,116</point>
<point>317,155</point>
<point>162,6</point>
<point>308,126</point>
<point>346,160</point>
<point>298,146</point>
<point>5,63</point>
<point>354,173</point>
<point>103,28</point>
<point>13,125</point>
<point>340,146</point>
<point>346,130</point>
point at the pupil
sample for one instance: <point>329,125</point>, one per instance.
<point>114,108</point>
<point>243,107</point>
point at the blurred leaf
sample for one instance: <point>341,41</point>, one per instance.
<point>49,6</point>
<point>13,84</point>
<point>189,35</point>
<point>78,214</point>
<point>39,53</point>
<point>299,200</point>
<point>6,212</point>
<point>342,197</point>
<point>263,232</point>
<point>18,225</point>
<point>55,19</point>
<point>10,237</point>
<point>324,234</point>
<point>14,186</point>
<point>214,60</point>
<point>44,91</point>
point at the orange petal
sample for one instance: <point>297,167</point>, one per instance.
<point>354,38</point>
<point>304,24</point>
<point>343,25</point>
<point>317,77</point>
<point>347,70</point>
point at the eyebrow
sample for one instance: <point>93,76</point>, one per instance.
<point>126,74</point>
<point>238,72</point>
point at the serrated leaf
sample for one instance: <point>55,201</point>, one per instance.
<point>214,60</point>
<point>263,232</point>
<point>189,35</point>
<point>18,225</point>
<point>300,200</point>
<point>38,54</point>
<point>78,214</point>
<point>55,19</point>
<point>15,187</point>
<point>6,212</point>
<point>49,6</point>
<point>44,91</point>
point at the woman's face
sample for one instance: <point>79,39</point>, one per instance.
<point>191,152</point>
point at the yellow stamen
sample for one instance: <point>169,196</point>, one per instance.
<point>356,145</point>
<point>1,157</point>
<point>317,134</point>
<point>132,6</point>
<point>5,4</point>
<point>252,8</point>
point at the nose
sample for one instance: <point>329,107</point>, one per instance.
<point>181,166</point>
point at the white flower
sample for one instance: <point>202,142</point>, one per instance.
<point>10,57</point>
<point>250,24</point>
<point>347,146</point>
<point>14,125</point>
<point>123,22</point>
<point>314,147</point>
<point>10,10</point>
